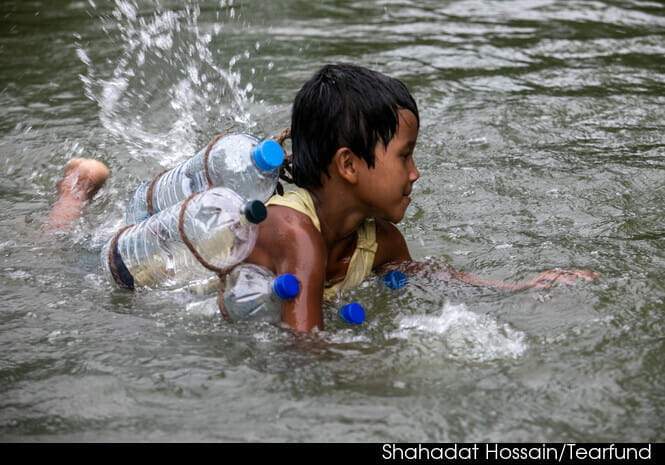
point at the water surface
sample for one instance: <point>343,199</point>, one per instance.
<point>541,146</point>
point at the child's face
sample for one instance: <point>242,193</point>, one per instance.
<point>386,187</point>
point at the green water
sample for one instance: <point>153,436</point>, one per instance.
<point>542,145</point>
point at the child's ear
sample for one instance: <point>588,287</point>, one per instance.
<point>345,163</point>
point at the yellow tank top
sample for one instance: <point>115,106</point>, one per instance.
<point>362,259</point>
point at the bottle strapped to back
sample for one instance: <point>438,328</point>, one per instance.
<point>119,271</point>
<point>186,243</point>
<point>235,160</point>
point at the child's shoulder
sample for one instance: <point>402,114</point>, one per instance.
<point>299,200</point>
<point>392,246</point>
<point>283,217</point>
<point>287,240</point>
<point>285,228</point>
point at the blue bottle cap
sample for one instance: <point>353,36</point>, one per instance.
<point>268,155</point>
<point>255,211</point>
<point>395,279</point>
<point>353,313</point>
<point>286,286</point>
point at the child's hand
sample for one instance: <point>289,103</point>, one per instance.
<point>547,279</point>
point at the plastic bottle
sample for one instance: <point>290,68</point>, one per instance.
<point>238,161</point>
<point>352,313</point>
<point>253,292</point>
<point>219,225</point>
<point>394,279</point>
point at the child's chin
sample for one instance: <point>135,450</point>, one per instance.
<point>396,219</point>
<point>395,216</point>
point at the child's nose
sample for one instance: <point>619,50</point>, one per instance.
<point>415,174</point>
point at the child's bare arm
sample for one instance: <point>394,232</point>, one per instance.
<point>543,280</point>
<point>289,243</point>
<point>393,254</point>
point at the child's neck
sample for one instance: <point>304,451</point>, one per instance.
<point>338,216</point>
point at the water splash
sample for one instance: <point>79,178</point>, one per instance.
<point>462,334</point>
<point>168,85</point>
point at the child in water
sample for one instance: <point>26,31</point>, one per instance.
<point>354,133</point>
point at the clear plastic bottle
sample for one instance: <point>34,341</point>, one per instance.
<point>253,292</point>
<point>352,313</point>
<point>220,226</point>
<point>238,161</point>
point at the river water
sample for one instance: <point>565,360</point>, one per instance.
<point>542,146</point>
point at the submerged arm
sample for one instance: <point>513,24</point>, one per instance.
<point>543,280</point>
<point>393,254</point>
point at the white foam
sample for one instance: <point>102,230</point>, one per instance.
<point>464,334</point>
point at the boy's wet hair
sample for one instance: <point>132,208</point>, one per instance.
<point>343,106</point>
